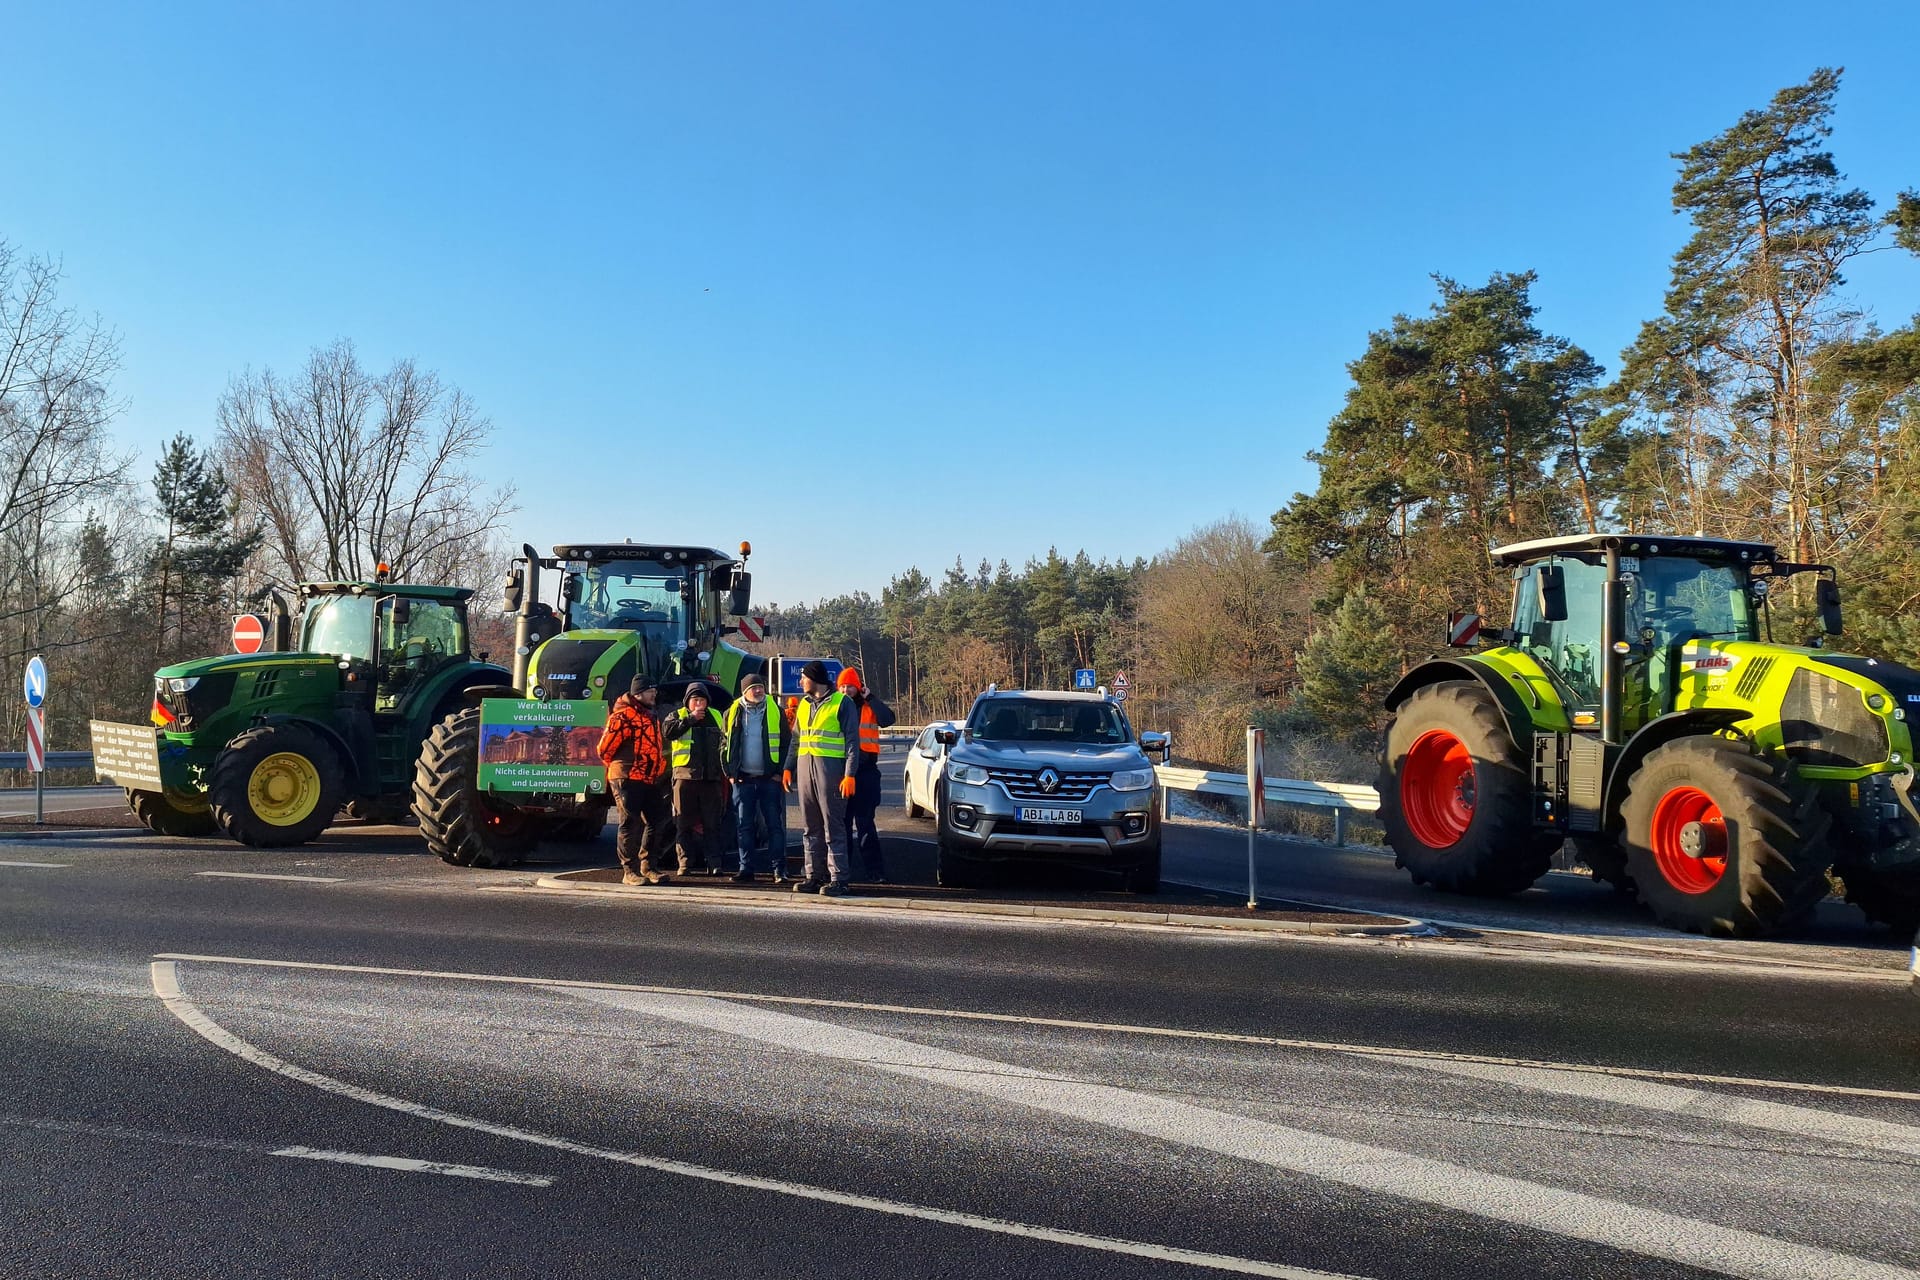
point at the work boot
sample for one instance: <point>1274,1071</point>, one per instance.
<point>741,877</point>
<point>632,877</point>
<point>835,889</point>
<point>656,877</point>
<point>808,886</point>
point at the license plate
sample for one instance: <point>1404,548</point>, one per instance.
<point>1050,815</point>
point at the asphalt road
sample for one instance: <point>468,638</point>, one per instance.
<point>443,1072</point>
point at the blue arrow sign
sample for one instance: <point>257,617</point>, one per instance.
<point>36,681</point>
<point>1083,678</point>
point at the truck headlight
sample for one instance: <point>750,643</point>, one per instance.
<point>971,775</point>
<point>1131,780</point>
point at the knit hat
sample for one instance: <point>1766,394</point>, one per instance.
<point>698,690</point>
<point>754,681</point>
<point>640,684</point>
<point>815,671</point>
<point>849,678</point>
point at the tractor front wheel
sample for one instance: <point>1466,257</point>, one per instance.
<point>458,820</point>
<point>1456,796</point>
<point>171,814</point>
<point>1720,841</point>
<point>275,785</point>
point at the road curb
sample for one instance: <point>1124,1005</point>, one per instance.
<point>75,833</point>
<point>1023,910</point>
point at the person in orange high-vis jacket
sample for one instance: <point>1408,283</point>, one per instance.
<point>630,747</point>
<point>863,807</point>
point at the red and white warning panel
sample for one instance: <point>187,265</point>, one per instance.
<point>753,630</point>
<point>36,740</point>
<point>1463,629</point>
<point>249,633</point>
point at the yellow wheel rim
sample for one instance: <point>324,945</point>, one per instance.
<point>284,789</point>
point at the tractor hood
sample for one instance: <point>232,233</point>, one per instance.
<point>1089,758</point>
<point>234,663</point>
<point>586,664</point>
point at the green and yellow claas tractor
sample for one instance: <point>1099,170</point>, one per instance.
<point>624,609</point>
<point>268,747</point>
<point>1639,707</point>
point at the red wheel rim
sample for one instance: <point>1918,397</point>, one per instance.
<point>1677,810</point>
<point>1437,788</point>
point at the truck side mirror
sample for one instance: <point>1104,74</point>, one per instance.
<point>740,594</point>
<point>1163,743</point>
<point>515,590</point>
<point>1551,583</point>
<point>946,737</point>
<point>1826,594</point>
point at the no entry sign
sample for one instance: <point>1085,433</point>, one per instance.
<point>249,633</point>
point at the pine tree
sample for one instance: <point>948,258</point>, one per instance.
<point>198,553</point>
<point>1347,668</point>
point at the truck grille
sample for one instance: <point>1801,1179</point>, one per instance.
<point>1024,784</point>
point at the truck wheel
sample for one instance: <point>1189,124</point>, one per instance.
<point>457,819</point>
<point>1885,899</point>
<point>170,814</point>
<point>1456,796</point>
<point>275,785</point>
<point>1720,841</point>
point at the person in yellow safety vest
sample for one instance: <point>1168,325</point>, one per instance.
<point>863,836</point>
<point>826,726</point>
<point>758,749</point>
<point>696,747</point>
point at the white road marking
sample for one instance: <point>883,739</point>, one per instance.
<point>417,1166</point>
<point>35,864</point>
<point>1381,1170</point>
<point>166,985</point>
<point>1806,1122</point>
<point>261,875</point>
<point>1074,1024</point>
<point>124,1134</point>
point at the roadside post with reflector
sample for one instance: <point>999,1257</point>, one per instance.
<point>36,692</point>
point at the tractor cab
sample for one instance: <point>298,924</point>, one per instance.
<point>1676,600</point>
<point>388,638</point>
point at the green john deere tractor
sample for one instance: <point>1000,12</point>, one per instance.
<point>624,609</point>
<point>268,747</point>
<point>1639,707</point>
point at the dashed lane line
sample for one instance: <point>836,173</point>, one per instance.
<point>1075,1024</point>
<point>261,875</point>
<point>1380,1170</point>
<point>402,1164</point>
<point>49,865</point>
<point>166,985</point>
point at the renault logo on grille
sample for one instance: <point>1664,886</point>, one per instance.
<point>1049,781</point>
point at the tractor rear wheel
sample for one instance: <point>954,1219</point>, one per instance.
<point>457,819</point>
<point>275,785</point>
<point>1721,841</point>
<point>1887,900</point>
<point>172,814</point>
<point>1456,796</point>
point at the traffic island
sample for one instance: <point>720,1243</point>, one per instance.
<point>1042,893</point>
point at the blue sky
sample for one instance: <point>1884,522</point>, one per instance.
<point>968,279</point>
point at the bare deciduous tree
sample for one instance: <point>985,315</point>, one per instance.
<point>344,468</point>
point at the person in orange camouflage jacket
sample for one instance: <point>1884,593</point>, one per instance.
<point>636,761</point>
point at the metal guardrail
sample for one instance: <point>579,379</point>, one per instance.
<point>55,760</point>
<point>1341,797</point>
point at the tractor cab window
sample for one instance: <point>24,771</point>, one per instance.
<point>1571,646</point>
<point>633,595</point>
<point>339,624</point>
<point>1674,599</point>
<point>417,638</point>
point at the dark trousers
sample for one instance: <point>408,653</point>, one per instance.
<point>644,813</point>
<point>697,810</point>
<point>762,799</point>
<point>863,837</point>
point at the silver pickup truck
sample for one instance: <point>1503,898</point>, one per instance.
<point>1047,777</point>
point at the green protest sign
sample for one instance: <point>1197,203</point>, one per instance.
<point>542,746</point>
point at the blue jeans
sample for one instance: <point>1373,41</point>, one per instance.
<point>762,798</point>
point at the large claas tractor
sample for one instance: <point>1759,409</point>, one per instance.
<point>268,747</point>
<point>1638,707</point>
<point>624,609</point>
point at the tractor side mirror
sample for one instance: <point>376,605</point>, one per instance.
<point>515,590</point>
<point>402,612</point>
<point>1551,584</point>
<point>1826,594</point>
<point>740,594</point>
<point>570,588</point>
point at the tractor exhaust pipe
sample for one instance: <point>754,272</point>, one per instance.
<point>525,632</point>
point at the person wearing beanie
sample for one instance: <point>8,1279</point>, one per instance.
<point>826,727</point>
<point>696,738</point>
<point>758,747</point>
<point>630,747</point>
<point>863,807</point>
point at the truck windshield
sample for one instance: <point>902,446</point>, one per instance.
<point>341,624</point>
<point>1677,598</point>
<point>632,595</point>
<point>1047,720</point>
